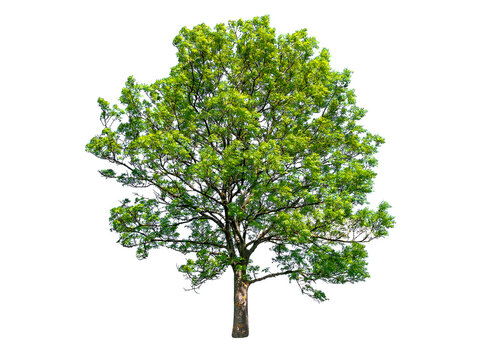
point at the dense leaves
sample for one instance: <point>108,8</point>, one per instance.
<point>251,140</point>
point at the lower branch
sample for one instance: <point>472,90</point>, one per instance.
<point>273,275</point>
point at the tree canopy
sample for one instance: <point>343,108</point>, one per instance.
<point>252,140</point>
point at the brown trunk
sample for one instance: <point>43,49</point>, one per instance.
<point>240,326</point>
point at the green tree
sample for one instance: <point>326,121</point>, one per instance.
<point>252,140</point>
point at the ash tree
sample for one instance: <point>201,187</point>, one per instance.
<point>251,141</point>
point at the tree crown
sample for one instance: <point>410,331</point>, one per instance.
<point>252,139</point>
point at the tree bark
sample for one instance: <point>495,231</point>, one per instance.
<point>240,325</point>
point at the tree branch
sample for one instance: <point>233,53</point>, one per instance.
<point>273,275</point>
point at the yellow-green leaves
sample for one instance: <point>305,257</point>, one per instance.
<point>105,146</point>
<point>251,139</point>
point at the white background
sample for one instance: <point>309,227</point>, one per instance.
<point>430,75</point>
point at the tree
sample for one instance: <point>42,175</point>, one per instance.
<point>251,141</point>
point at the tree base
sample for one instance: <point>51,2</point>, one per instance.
<point>239,334</point>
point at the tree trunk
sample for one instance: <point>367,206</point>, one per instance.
<point>240,326</point>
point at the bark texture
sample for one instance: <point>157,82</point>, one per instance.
<point>240,325</point>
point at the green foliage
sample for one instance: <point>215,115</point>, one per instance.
<point>251,140</point>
